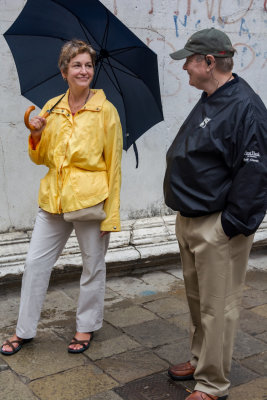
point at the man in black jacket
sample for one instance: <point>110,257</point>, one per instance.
<point>216,178</point>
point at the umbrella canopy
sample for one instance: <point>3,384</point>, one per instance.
<point>126,68</point>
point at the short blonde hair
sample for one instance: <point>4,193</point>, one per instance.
<point>71,49</point>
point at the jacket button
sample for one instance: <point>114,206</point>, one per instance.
<point>114,227</point>
<point>68,115</point>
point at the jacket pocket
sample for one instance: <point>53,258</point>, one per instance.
<point>89,184</point>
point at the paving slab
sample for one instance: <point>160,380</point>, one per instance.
<point>257,278</point>
<point>108,348</point>
<point>9,308</point>
<point>45,355</point>
<point>132,365</point>
<point>246,346</point>
<point>155,333</point>
<point>128,316</point>
<point>57,306</point>
<point>106,332</point>
<point>253,298</point>
<point>255,390</point>
<point>175,353</point>
<point>167,307</point>
<point>182,321</point>
<point>110,395</point>
<point>262,311</point>
<point>78,383</point>
<point>257,363</point>
<point>3,364</point>
<point>161,281</point>
<point>240,375</point>
<point>12,388</point>
<point>130,287</point>
<point>252,322</point>
<point>262,336</point>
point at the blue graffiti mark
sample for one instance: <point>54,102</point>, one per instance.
<point>148,293</point>
<point>197,23</point>
<point>244,28</point>
<point>184,23</point>
<point>176,25</point>
<point>201,1</point>
<point>213,19</point>
<point>244,53</point>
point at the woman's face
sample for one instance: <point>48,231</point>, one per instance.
<point>80,71</point>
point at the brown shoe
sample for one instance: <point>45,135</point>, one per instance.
<point>196,395</point>
<point>182,372</point>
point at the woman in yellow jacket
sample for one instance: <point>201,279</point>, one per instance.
<point>81,144</point>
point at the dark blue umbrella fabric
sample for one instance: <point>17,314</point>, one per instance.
<point>126,68</point>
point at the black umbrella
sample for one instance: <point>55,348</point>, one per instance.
<point>126,68</point>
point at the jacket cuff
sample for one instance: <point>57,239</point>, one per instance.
<point>229,229</point>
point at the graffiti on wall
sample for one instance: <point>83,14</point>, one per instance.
<point>185,14</point>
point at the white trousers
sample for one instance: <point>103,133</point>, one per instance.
<point>49,237</point>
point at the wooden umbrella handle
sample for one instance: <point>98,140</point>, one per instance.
<point>27,116</point>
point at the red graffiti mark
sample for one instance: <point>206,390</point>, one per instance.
<point>265,5</point>
<point>115,7</point>
<point>152,7</point>
<point>253,55</point>
<point>176,12</point>
<point>148,41</point>
<point>188,11</point>
<point>210,8</point>
<point>225,21</point>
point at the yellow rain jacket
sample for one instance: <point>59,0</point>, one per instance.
<point>83,154</point>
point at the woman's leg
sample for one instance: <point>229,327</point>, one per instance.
<point>49,237</point>
<point>92,283</point>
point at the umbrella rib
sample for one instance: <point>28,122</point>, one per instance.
<point>40,83</point>
<point>105,36</point>
<point>115,77</point>
<point>78,19</point>
<point>121,70</point>
<point>125,49</point>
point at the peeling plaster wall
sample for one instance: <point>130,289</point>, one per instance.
<point>164,25</point>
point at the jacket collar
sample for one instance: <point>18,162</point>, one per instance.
<point>94,104</point>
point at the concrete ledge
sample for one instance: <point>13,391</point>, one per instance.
<point>142,243</point>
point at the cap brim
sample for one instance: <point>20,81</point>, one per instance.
<point>180,54</point>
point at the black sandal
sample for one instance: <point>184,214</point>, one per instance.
<point>14,350</point>
<point>81,342</point>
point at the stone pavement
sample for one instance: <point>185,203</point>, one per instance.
<point>145,329</point>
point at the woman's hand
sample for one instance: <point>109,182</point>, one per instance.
<point>39,123</point>
<point>103,233</point>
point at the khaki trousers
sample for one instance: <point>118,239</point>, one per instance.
<point>214,269</point>
<point>49,237</point>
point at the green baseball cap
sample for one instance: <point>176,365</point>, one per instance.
<point>207,41</point>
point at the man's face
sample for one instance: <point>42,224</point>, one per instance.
<point>196,68</point>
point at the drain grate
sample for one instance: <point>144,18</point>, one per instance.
<point>155,387</point>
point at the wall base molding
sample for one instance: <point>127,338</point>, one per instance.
<point>142,243</point>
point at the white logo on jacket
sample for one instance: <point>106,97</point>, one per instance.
<point>205,122</point>
<point>251,156</point>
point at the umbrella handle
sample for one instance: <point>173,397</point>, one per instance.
<point>27,116</point>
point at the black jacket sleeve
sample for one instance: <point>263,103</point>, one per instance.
<point>247,199</point>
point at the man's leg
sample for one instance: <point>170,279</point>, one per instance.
<point>220,266</point>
